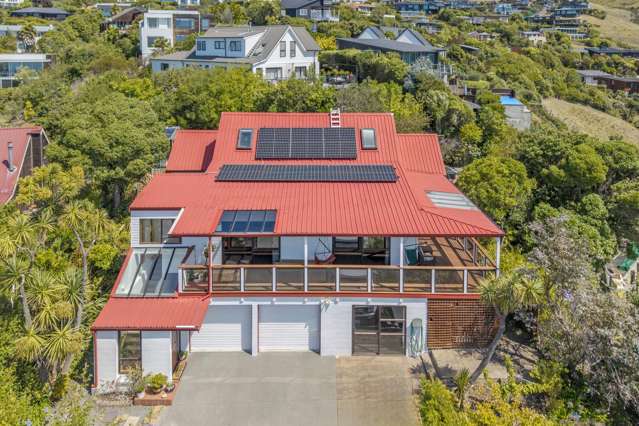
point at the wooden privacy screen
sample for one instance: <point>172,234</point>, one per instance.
<point>459,324</point>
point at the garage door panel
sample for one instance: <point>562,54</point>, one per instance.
<point>225,328</point>
<point>289,328</point>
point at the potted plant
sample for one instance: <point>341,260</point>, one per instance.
<point>156,383</point>
<point>170,387</point>
<point>138,388</point>
<point>136,381</point>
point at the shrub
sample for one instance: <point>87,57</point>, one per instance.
<point>157,382</point>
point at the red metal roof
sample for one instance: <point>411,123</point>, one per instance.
<point>400,208</point>
<point>20,138</point>
<point>192,151</point>
<point>163,313</point>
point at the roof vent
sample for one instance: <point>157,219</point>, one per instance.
<point>12,166</point>
<point>336,120</point>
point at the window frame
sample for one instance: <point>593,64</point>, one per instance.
<point>242,132</point>
<point>234,43</point>
<point>166,223</point>
<point>282,49</point>
<point>120,359</point>
<point>200,45</point>
<point>363,138</point>
<point>292,48</point>
<point>218,44</point>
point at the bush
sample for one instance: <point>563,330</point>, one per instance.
<point>156,383</point>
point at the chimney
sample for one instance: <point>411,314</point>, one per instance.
<point>12,167</point>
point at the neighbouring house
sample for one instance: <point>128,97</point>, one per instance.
<point>537,38</point>
<point>171,25</point>
<point>42,12</point>
<point>123,19</point>
<point>21,149</point>
<point>621,271</point>
<point>277,52</point>
<point>610,51</point>
<point>431,27</point>
<point>612,82</point>
<point>517,114</point>
<point>10,3</point>
<point>408,43</point>
<point>483,36</point>
<point>13,30</point>
<point>363,8</point>
<point>504,9</point>
<point>11,63</point>
<point>109,9</point>
<point>320,232</point>
<point>316,10</point>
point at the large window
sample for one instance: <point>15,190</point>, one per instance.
<point>219,44</point>
<point>156,231</point>
<point>362,250</point>
<point>244,138</point>
<point>201,45</point>
<point>159,22</point>
<point>185,23</point>
<point>235,46</point>
<point>293,49</point>
<point>129,351</point>
<point>250,250</point>
<point>282,49</point>
<point>379,330</point>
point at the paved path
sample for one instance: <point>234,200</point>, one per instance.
<point>293,389</point>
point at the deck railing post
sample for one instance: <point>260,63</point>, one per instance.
<point>497,255</point>
<point>274,283</point>
<point>432,281</point>
<point>210,264</point>
<point>370,279</point>
<point>242,278</point>
<point>305,264</point>
<point>474,252</point>
<point>401,264</point>
<point>337,279</point>
<point>465,280</point>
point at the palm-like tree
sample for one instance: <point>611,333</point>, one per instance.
<point>507,293</point>
<point>462,383</point>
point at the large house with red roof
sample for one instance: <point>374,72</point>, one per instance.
<point>316,232</point>
<point>21,149</point>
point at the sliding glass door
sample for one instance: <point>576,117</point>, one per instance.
<point>379,330</point>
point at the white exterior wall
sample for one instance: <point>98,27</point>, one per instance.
<point>106,345</point>
<point>518,116</point>
<point>136,215</point>
<point>409,37</point>
<point>302,58</point>
<point>368,34</point>
<point>156,353</point>
<point>146,32</point>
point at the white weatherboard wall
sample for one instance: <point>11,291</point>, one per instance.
<point>107,356</point>
<point>302,58</point>
<point>156,353</point>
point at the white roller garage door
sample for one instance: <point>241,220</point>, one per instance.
<point>289,328</point>
<point>225,328</point>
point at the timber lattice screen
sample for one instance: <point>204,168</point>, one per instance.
<point>459,324</point>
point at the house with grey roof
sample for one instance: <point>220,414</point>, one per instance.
<point>408,43</point>
<point>276,52</point>
<point>316,10</point>
<point>41,12</point>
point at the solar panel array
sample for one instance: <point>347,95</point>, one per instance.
<point>306,143</point>
<point>307,173</point>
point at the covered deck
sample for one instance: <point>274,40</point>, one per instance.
<point>432,265</point>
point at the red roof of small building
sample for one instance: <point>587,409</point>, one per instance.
<point>158,313</point>
<point>19,138</point>
<point>192,150</point>
<point>400,208</point>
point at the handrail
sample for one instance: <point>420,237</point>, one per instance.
<point>483,251</point>
<point>341,266</point>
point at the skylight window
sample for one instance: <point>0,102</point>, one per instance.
<point>151,272</point>
<point>450,200</point>
<point>244,138</point>
<point>247,221</point>
<point>368,139</point>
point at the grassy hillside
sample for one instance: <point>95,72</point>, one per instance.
<point>617,25</point>
<point>587,120</point>
<point>620,4</point>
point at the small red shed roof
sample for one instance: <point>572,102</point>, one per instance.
<point>400,208</point>
<point>19,137</point>
<point>163,313</point>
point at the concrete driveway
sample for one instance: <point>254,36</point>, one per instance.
<point>293,389</point>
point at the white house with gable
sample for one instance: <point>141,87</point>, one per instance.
<point>277,52</point>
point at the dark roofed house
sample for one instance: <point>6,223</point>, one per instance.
<point>123,19</point>
<point>408,43</point>
<point>612,82</point>
<point>628,53</point>
<point>42,12</point>
<point>21,149</point>
<point>316,10</point>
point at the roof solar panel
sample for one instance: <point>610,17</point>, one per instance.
<point>307,173</point>
<point>306,143</point>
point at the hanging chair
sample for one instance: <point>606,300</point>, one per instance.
<point>324,256</point>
